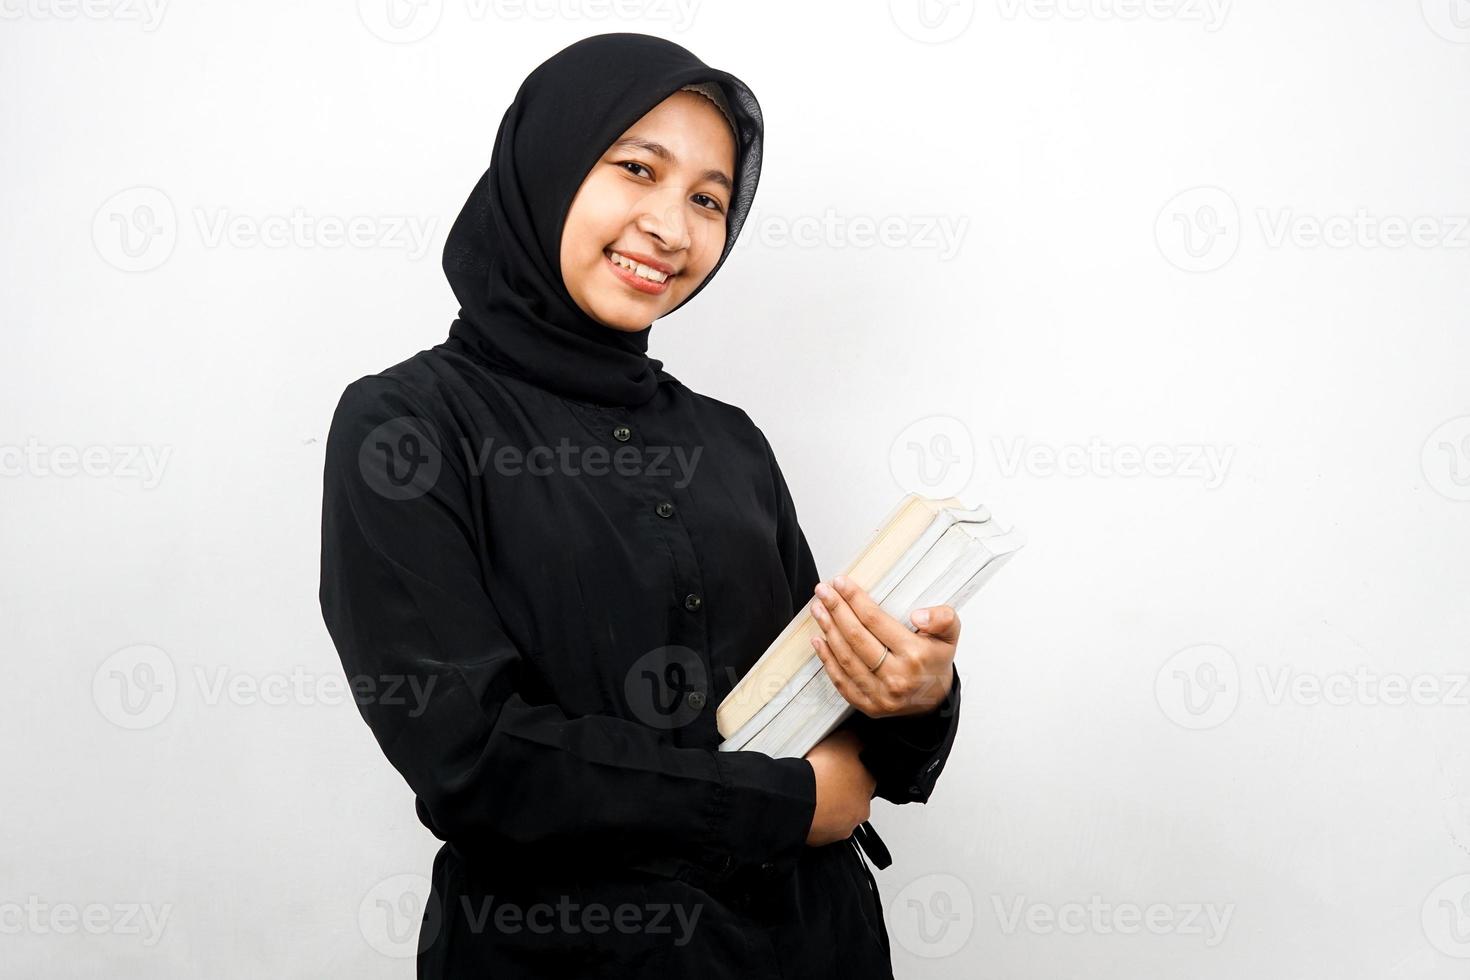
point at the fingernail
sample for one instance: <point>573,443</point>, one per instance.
<point>840,581</point>
<point>920,617</point>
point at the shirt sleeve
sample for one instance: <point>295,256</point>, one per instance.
<point>406,606</point>
<point>905,754</point>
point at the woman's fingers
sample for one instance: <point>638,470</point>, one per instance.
<point>857,633</point>
<point>886,630</point>
<point>940,622</point>
<point>850,670</point>
<point>850,627</point>
<point>856,692</point>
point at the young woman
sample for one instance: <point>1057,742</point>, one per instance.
<point>559,559</point>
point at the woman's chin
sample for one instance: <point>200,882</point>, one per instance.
<point>629,318</point>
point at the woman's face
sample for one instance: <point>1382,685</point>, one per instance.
<point>658,197</point>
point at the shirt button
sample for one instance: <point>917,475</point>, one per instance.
<point>692,602</point>
<point>664,509</point>
<point>622,433</point>
<point>768,868</point>
<point>695,699</point>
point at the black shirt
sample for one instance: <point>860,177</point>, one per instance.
<point>557,594</point>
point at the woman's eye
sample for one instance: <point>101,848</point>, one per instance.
<point>639,169</point>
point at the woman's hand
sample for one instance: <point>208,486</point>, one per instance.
<point>845,788</point>
<point>913,676</point>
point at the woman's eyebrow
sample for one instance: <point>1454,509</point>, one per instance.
<point>662,152</point>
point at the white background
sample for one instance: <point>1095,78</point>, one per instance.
<point>1183,227</point>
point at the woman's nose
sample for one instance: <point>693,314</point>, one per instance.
<point>667,223</point>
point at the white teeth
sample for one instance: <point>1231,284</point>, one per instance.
<point>638,268</point>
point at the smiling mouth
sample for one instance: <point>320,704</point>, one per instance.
<point>638,275</point>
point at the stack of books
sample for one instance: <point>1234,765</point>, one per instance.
<point>926,552</point>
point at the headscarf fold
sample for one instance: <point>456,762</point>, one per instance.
<point>503,254</point>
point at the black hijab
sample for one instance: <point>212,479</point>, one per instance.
<point>503,255</point>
